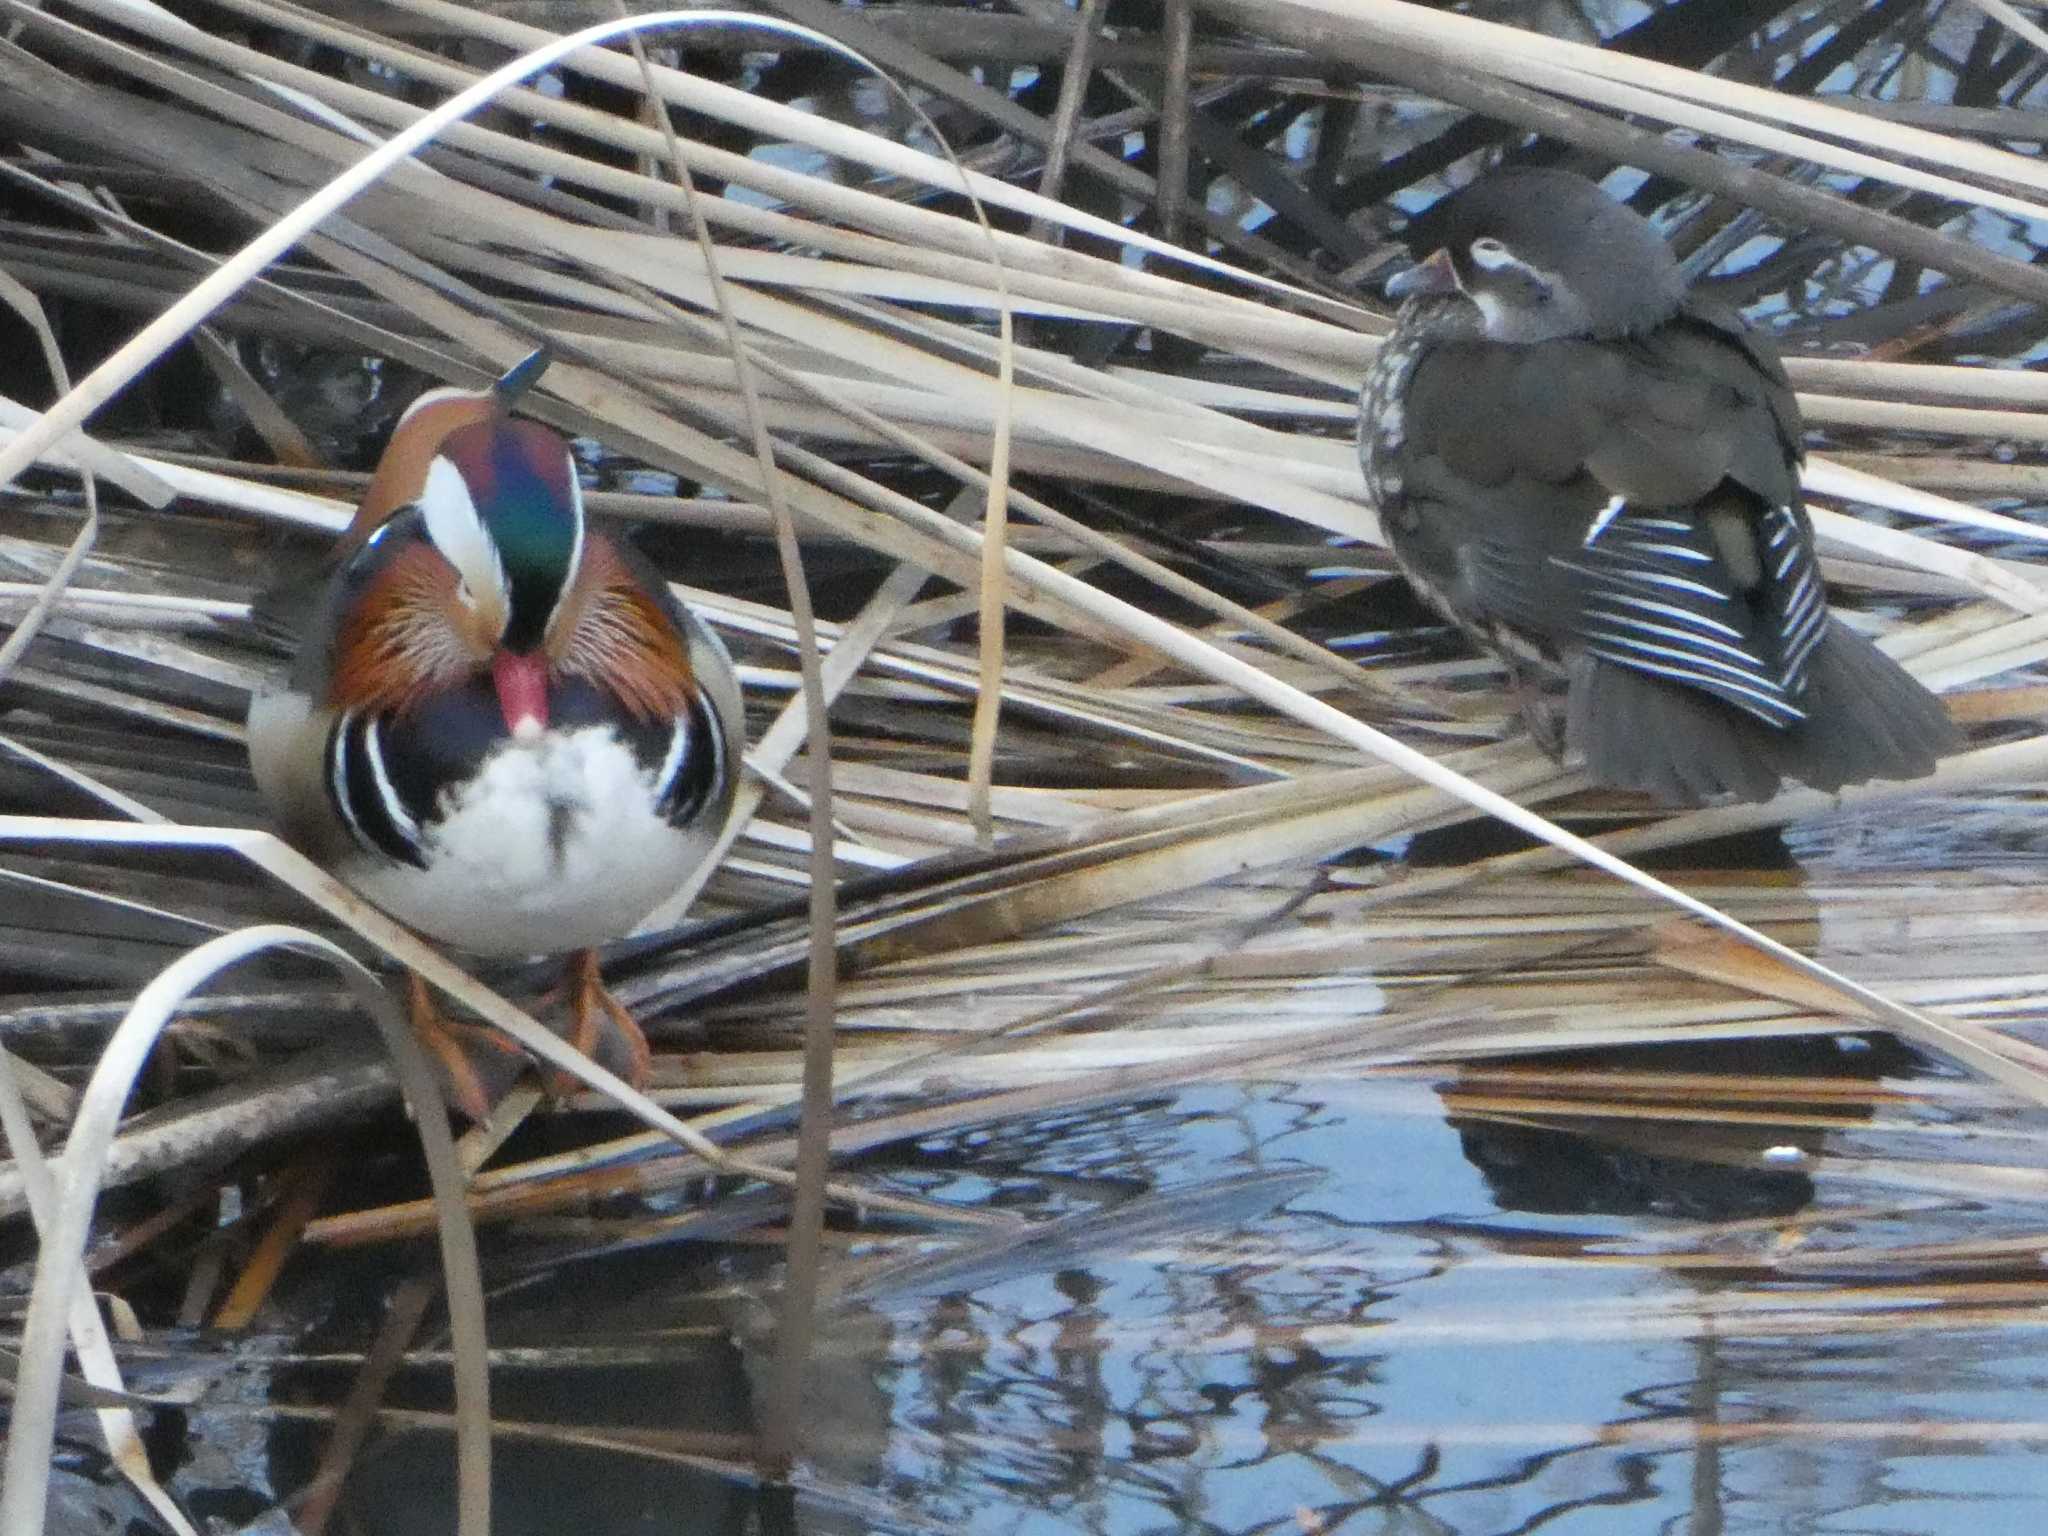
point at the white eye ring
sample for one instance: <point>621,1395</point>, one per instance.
<point>1491,255</point>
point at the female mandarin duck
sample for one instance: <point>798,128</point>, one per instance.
<point>500,727</point>
<point>1594,472</point>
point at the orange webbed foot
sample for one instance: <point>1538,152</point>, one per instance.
<point>600,1027</point>
<point>477,1065</point>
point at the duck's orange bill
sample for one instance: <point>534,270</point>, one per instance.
<point>522,689</point>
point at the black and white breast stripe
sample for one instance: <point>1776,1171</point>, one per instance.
<point>693,767</point>
<point>1659,599</point>
<point>361,787</point>
<point>386,774</point>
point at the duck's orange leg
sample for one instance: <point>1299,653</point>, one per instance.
<point>478,1066</point>
<point>600,1027</point>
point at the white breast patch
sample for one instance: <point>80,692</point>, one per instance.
<point>554,845</point>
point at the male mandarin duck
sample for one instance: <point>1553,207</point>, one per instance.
<point>1595,474</point>
<point>500,727</point>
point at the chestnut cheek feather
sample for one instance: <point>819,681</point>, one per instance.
<point>625,643</point>
<point>611,632</point>
<point>406,636</point>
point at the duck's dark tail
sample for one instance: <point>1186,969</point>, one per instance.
<point>1866,718</point>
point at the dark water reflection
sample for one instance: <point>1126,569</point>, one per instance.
<point>1480,1300</point>
<point>1393,1349</point>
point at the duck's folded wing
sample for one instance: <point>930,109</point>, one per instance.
<point>1613,498</point>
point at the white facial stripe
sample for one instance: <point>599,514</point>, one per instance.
<point>1492,256</point>
<point>458,533</point>
<point>435,397</point>
<point>575,548</point>
<point>1519,302</point>
<point>575,511</point>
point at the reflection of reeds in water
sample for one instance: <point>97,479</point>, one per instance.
<point>1139,902</point>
